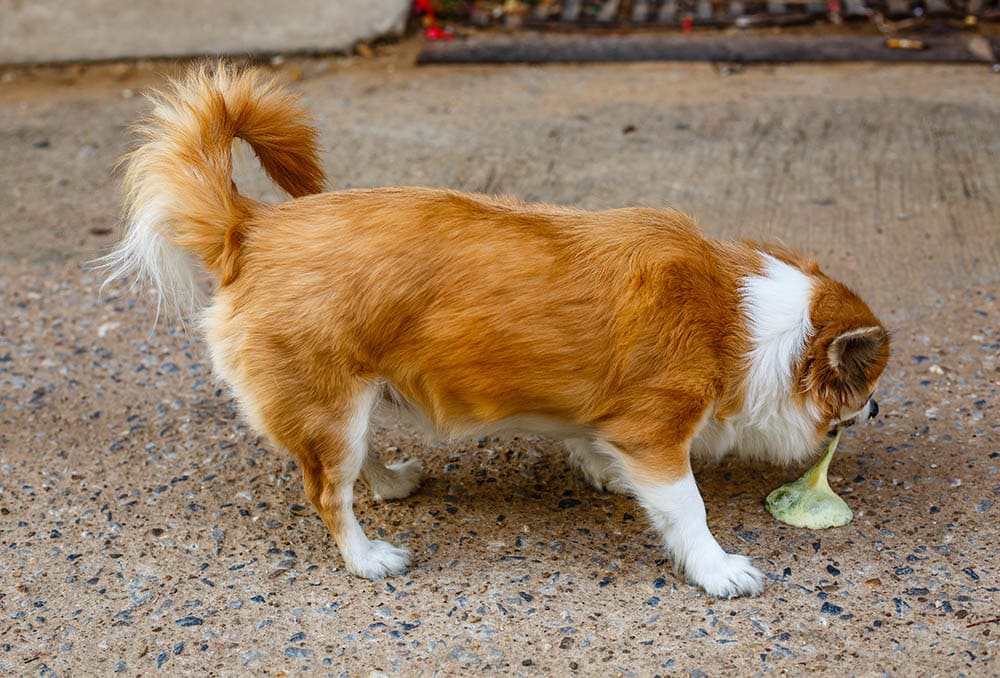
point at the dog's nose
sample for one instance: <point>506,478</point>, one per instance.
<point>872,408</point>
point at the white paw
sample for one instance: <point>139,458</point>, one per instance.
<point>402,479</point>
<point>617,485</point>
<point>378,560</point>
<point>726,575</point>
<point>607,482</point>
<point>592,477</point>
<point>597,470</point>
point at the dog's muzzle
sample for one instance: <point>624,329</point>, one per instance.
<point>871,406</point>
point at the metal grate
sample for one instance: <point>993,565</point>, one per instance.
<point>557,14</point>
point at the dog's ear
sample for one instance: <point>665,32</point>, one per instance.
<point>853,353</point>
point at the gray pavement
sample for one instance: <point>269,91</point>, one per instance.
<point>144,527</point>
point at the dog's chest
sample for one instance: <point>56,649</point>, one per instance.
<point>779,434</point>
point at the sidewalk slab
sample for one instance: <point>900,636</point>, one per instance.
<point>94,30</point>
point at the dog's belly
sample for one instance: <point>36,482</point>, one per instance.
<point>531,424</point>
<point>395,405</point>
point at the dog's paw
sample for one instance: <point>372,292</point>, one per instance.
<point>402,480</point>
<point>608,482</point>
<point>378,560</point>
<point>726,575</point>
<point>617,485</point>
<point>598,470</point>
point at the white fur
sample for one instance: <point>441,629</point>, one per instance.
<point>146,255</point>
<point>395,481</point>
<point>598,464</point>
<point>678,514</point>
<point>861,416</point>
<point>224,339</point>
<point>371,559</point>
<point>771,425</point>
<point>396,406</point>
<point>365,558</point>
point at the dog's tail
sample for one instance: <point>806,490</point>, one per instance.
<point>182,208</point>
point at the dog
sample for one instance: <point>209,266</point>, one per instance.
<point>625,333</point>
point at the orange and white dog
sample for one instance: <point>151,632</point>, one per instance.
<point>625,333</point>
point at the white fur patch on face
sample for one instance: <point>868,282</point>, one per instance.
<point>772,424</point>
<point>678,514</point>
<point>862,415</point>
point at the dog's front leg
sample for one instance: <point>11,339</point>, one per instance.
<point>651,441</point>
<point>677,512</point>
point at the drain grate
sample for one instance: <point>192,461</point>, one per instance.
<point>575,14</point>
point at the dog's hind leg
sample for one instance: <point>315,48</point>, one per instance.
<point>393,481</point>
<point>598,468</point>
<point>331,443</point>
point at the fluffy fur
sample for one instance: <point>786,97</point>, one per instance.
<point>624,332</point>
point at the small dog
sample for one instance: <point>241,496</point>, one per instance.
<point>625,333</point>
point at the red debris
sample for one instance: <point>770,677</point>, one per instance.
<point>833,9</point>
<point>432,30</point>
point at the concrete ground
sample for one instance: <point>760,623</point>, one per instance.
<point>144,527</point>
<point>43,31</point>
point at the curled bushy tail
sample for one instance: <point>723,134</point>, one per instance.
<point>181,205</point>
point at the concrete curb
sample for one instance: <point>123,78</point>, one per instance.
<point>95,30</point>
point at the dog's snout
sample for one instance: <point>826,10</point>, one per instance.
<point>872,408</point>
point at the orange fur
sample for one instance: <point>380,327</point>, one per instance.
<point>625,324</point>
<point>189,138</point>
<point>835,389</point>
<point>407,285</point>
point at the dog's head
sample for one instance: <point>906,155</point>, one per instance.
<point>844,358</point>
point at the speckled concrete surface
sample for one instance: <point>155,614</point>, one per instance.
<point>143,527</point>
